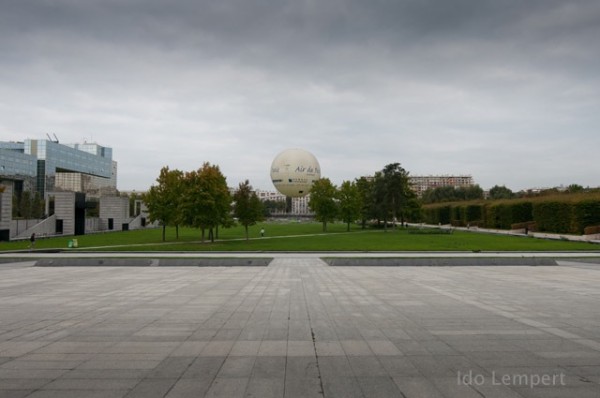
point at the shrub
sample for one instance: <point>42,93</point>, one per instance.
<point>591,230</point>
<point>499,215</point>
<point>553,216</point>
<point>585,213</point>
<point>473,213</point>
<point>521,211</point>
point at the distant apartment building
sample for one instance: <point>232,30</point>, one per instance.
<point>299,206</point>
<point>421,184</point>
<point>270,195</point>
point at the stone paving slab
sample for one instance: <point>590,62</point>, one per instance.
<point>300,328</point>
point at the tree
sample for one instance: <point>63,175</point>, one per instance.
<point>205,202</point>
<point>323,201</point>
<point>25,205</point>
<point>439,194</point>
<point>573,188</point>
<point>163,199</point>
<point>413,209</point>
<point>393,192</point>
<point>449,193</point>
<point>379,209</point>
<point>273,206</point>
<point>39,206</point>
<point>365,192</point>
<point>222,198</point>
<point>247,206</point>
<point>349,203</point>
<point>500,192</point>
<point>197,204</point>
<point>28,205</point>
<point>472,192</point>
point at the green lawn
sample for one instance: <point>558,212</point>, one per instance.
<point>304,236</point>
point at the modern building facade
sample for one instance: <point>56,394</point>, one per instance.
<point>40,161</point>
<point>53,157</point>
<point>17,166</point>
<point>93,186</point>
<point>18,172</point>
<point>48,167</point>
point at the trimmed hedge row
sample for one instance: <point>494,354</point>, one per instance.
<point>550,215</point>
<point>585,214</point>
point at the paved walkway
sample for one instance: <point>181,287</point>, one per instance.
<point>300,328</point>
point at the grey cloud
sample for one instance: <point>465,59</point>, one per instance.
<point>441,86</point>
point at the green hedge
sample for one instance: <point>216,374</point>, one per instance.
<point>473,213</point>
<point>585,213</point>
<point>503,214</point>
<point>568,215</point>
<point>455,215</point>
<point>437,215</point>
<point>553,216</point>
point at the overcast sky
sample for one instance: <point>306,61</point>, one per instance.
<point>505,90</point>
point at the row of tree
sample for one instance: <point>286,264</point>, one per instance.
<point>28,206</point>
<point>451,194</point>
<point>200,199</point>
<point>387,197</point>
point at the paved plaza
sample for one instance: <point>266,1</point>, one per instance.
<point>300,328</point>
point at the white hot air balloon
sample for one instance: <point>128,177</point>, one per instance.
<point>293,172</point>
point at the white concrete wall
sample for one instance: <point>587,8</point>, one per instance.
<point>45,227</point>
<point>64,209</point>
<point>92,224</point>
<point>115,207</point>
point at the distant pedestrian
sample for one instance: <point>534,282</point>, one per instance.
<point>32,241</point>
<point>262,232</point>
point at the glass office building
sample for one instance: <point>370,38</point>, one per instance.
<point>52,157</point>
<point>14,163</point>
<point>93,186</point>
<point>41,160</point>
